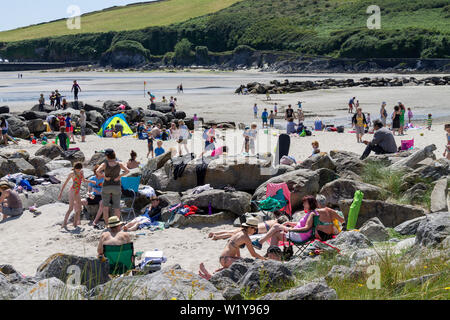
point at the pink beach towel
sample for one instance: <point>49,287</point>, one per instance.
<point>272,189</point>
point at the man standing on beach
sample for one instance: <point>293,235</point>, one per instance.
<point>383,141</point>
<point>255,111</point>
<point>265,116</point>
<point>289,113</point>
<point>351,104</point>
<point>75,89</point>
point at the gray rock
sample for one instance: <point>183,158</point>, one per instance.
<point>300,182</point>
<point>433,229</point>
<point>237,202</point>
<point>50,151</point>
<point>439,196</point>
<point>350,240</point>
<point>349,175</point>
<point>18,128</point>
<point>340,272</point>
<point>53,289</point>
<point>374,230</point>
<point>40,165</point>
<point>231,293</point>
<point>202,219</point>
<point>36,126</point>
<point>414,282</point>
<point>347,161</point>
<point>416,157</point>
<point>97,159</point>
<point>345,189</point>
<point>318,161</point>
<point>299,265</point>
<point>230,277</point>
<point>326,176</point>
<point>75,157</point>
<point>270,273</point>
<point>94,272</point>
<point>59,164</point>
<point>166,284</point>
<point>153,165</point>
<point>312,291</point>
<point>390,214</point>
<point>409,227</point>
<point>16,154</point>
<point>15,166</point>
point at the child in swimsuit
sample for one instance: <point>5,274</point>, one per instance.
<point>447,148</point>
<point>74,194</point>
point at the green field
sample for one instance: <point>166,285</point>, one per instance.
<point>130,17</point>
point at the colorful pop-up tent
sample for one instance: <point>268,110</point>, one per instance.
<point>111,122</point>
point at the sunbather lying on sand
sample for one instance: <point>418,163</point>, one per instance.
<point>263,227</point>
<point>231,253</point>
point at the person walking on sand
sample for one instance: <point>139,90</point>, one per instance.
<point>351,104</point>
<point>289,113</point>
<point>383,113</point>
<point>75,89</point>
<point>231,252</point>
<point>429,121</point>
<point>410,116</point>
<point>264,117</point>
<point>447,148</point>
<point>110,170</point>
<point>74,194</point>
<point>275,109</point>
<point>300,117</point>
<point>402,118</point>
<point>252,134</point>
<point>271,119</point>
<point>255,111</point>
<point>82,123</point>
<point>358,122</point>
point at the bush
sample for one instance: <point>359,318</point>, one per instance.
<point>168,58</point>
<point>183,51</point>
<point>130,47</point>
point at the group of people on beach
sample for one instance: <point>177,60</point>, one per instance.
<point>58,101</point>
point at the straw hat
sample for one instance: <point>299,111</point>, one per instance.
<point>251,222</point>
<point>6,184</point>
<point>114,222</point>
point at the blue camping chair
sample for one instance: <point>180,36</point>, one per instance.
<point>130,186</point>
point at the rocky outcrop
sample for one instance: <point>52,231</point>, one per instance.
<point>439,196</point>
<point>390,214</point>
<point>53,289</point>
<point>345,189</point>
<point>50,151</point>
<point>374,230</point>
<point>317,290</point>
<point>92,271</point>
<point>409,227</point>
<point>433,230</point>
<point>237,202</point>
<point>167,284</point>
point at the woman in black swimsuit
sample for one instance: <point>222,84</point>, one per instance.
<point>232,253</point>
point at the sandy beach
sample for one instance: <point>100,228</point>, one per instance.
<point>27,241</point>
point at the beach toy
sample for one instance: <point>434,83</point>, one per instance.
<point>354,210</point>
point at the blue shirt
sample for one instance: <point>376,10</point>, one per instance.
<point>265,114</point>
<point>68,119</point>
<point>97,187</point>
<point>159,151</point>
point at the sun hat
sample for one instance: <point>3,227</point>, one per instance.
<point>251,222</point>
<point>114,222</point>
<point>6,184</point>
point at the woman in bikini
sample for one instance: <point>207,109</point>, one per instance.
<point>326,230</point>
<point>232,253</point>
<point>263,228</point>
<point>74,194</point>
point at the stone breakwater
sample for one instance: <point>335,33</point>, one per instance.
<point>277,87</point>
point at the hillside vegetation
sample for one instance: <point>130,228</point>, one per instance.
<point>335,28</point>
<point>131,17</point>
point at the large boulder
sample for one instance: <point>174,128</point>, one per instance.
<point>318,161</point>
<point>439,196</point>
<point>18,128</point>
<point>12,283</point>
<point>340,272</point>
<point>153,165</point>
<point>40,165</point>
<point>167,284</point>
<point>390,214</point>
<point>33,115</point>
<point>409,227</point>
<point>347,161</point>
<point>300,182</point>
<point>16,154</point>
<point>92,271</point>
<point>18,165</point>
<point>112,106</point>
<point>345,189</point>
<point>4,109</point>
<point>374,230</point>
<point>433,230</point>
<point>350,241</point>
<point>47,108</point>
<point>95,116</point>
<point>250,275</point>
<point>436,171</point>
<point>317,290</point>
<point>74,157</point>
<point>97,159</point>
<point>242,173</point>
<point>36,126</point>
<point>53,289</point>
<point>50,151</point>
<point>237,202</point>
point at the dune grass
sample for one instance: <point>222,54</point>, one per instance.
<point>122,18</point>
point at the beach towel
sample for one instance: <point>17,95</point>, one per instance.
<point>273,203</point>
<point>273,188</point>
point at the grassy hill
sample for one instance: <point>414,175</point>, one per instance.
<point>131,17</point>
<point>336,28</point>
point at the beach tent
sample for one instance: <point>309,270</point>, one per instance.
<point>112,121</point>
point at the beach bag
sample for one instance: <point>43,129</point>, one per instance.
<point>340,129</point>
<point>303,134</point>
<point>308,133</point>
<point>407,144</point>
<point>318,125</point>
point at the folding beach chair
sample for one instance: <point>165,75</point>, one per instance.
<point>120,258</point>
<point>276,191</point>
<point>130,186</point>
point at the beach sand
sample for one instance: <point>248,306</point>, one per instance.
<point>27,241</point>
